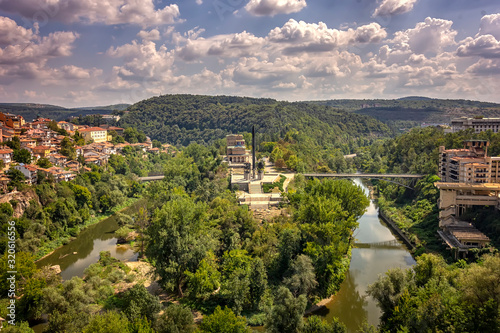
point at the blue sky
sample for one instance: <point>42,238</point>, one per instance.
<point>99,52</point>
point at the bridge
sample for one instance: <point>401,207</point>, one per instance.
<point>380,245</point>
<point>381,176</point>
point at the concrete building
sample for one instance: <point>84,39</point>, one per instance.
<point>94,133</point>
<point>469,177</point>
<point>236,151</point>
<point>478,124</point>
<point>11,120</point>
<point>470,165</point>
<point>6,155</point>
<point>29,171</point>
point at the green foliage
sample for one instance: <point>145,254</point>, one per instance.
<point>440,298</point>
<point>44,163</point>
<point>175,319</point>
<point>138,303</point>
<point>109,322</point>
<point>22,156</point>
<point>206,279</point>
<point>287,313</point>
<point>24,267</point>
<point>20,327</point>
<point>267,188</point>
<point>315,324</point>
<point>224,321</point>
<point>302,278</point>
<point>179,240</point>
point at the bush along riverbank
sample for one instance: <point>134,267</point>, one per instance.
<point>413,212</point>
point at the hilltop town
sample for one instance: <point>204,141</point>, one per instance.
<point>44,148</point>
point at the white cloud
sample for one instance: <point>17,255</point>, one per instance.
<point>140,12</point>
<point>490,25</point>
<point>394,7</point>
<point>486,67</point>
<point>149,35</point>
<point>312,37</point>
<point>11,33</point>
<point>274,7</point>
<point>199,2</point>
<point>432,35</point>
<point>486,46</point>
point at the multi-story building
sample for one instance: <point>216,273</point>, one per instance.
<point>236,151</point>
<point>478,124</point>
<point>11,120</point>
<point>469,177</point>
<point>6,155</point>
<point>470,165</point>
<point>96,134</point>
<point>29,171</point>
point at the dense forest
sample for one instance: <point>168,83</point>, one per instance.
<point>181,119</point>
<point>31,111</point>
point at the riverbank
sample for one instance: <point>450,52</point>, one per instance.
<point>49,248</point>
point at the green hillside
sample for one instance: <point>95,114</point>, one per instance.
<point>181,119</point>
<point>30,111</point>
<point>414,110</point>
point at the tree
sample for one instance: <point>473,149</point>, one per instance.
<point>44,163</point>
<point>16,177</point>
<point>22,156</point>
<point>315,324</point>
<point>20,327</point>
<point>15,143</point>
<point>302,280</point>
<point>109,322</point>
<point>82,195</point>
<point>138,303</point>
<point>224,321</point>
<point>175,319</point>
<point>287,313</point>
<point>179,239</point>
<point>68,149</point>
<point>206,279</point>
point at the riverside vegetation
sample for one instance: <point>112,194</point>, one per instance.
<point>211,255</point>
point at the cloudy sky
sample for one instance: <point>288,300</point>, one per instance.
<point>100,52</point>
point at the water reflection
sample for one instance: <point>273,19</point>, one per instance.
<point>84,250</point>
<point>351,304</point>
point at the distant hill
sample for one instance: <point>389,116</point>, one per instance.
<point>415,109</point>
<point>31,110</point>
<point>181,119</point>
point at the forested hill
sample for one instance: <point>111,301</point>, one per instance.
<point>181,119</point>
<point>414,109</point>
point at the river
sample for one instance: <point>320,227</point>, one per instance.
<point>351,304</point>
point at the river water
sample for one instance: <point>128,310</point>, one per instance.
<point>351,304</point>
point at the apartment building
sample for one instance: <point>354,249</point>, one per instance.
<point>11,120</point>
<point>96,134</point>
<point>470,165</point>
<point>478,124</point>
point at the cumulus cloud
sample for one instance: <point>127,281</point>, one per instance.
<point>27,54</point>
<point>312,37</point>
<point>149,35</point>
<point>140,12</point>
<point>274,7</point>
<point>394,7</point>
<point>11,33</point>
<point>143,62</point>
<point>490,25</point>
<point>432,35</point>
<point>486,46</point>
<point>485,67</point>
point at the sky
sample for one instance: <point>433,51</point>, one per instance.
<point>100,52</point>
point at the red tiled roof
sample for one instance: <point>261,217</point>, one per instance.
<point>92,129</point>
